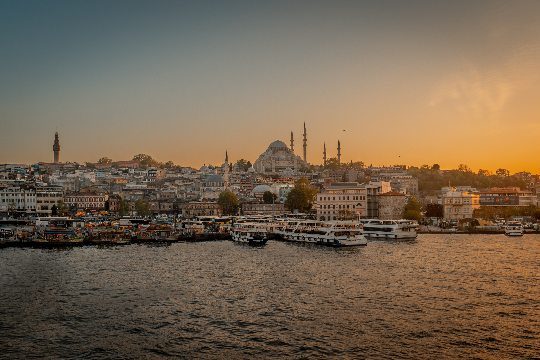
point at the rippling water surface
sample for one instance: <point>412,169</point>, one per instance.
<point>450,296</point>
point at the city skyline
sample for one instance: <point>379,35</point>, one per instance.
<point>417,83</point>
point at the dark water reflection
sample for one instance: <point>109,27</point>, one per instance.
<point>453,296</point>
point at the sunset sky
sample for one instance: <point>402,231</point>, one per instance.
<point>411,82</point>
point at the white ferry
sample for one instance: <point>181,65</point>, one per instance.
<point>375,229</point>
<point>324,233</point>
<point>513,228</point>
<point>250,233</point>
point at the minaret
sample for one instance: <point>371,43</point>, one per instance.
<point>226,170</point>
<point>56,148</point>
<point>305,143</point>
<point>324,154</point>
<point>338,152</point>
<point>292,142</point>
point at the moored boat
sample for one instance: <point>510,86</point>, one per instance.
<point>375,229</point>
<point>513,228</point>
<point>250,233</point>
<point>58,231</point>
<point>335,234</point>
<point>108,236</point>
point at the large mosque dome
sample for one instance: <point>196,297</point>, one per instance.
<point>278,158</point>
<point>277,145</point>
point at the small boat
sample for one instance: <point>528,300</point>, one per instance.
<point>250,233</point>
<point>513,228</point>
<point>108,237</point>
<point>157,233</point>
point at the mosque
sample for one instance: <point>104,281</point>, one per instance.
<point>279,158</point>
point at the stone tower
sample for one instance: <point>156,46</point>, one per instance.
<point>338,152</point>
<point>305,143</point>
<point>56,148</point>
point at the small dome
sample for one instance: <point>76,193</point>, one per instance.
<point>214,178</point>
<point>260,189</point>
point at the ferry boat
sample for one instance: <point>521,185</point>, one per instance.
<point>335,234</point>
<point>250,233</point>
<point>513,228</point>
<point>375,229</point>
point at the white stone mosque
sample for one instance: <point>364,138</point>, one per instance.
<point>279,158</point>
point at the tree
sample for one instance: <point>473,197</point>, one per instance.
<point>62,208</point>
<point>464,168</point>
<point>104,161</point>
<point>436,167</point>
<point>412,210</point>
<point>502,172</point>
<point>434,210</point>
<point>332,163</point>
<point>269,197</point>
<point>228,202</point>
<point>145,160</point>
<point>301,197</point>
<point>123,207</point>
<point>356,165</point>
<point>168,165</point>
<point>482,172</point>
<point>243,165</point>
<point>142,207</point>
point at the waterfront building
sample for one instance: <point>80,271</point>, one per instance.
<point>256,208</point>
<point>18,198</point>
<point>86,201</point>
<point>200,208</point>
<point>47,197</point>
<point>391,205</point>
<point>375,188</point>
<point>277,159</point>
<point>459,204</point>
<point>508,196</point>
<point>342,201</point>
